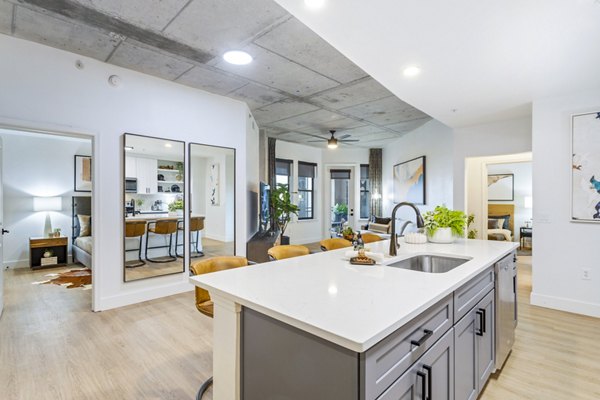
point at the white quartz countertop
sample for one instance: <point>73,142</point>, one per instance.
<point>350,305</point>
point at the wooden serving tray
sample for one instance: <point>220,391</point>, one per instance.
<point>362,261</point>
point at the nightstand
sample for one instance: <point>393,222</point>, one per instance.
<point>39,245</point>
<point>524,233</point>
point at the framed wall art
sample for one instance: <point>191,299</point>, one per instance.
<point>501,187</point>
<point>83,174</point>
<point>409,181</point>
<point>585,167</point>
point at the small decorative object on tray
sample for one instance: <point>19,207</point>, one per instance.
<point>362,259</point>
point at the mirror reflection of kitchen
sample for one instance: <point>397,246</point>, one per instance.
<point>212,202</point>
<point>154,203</point>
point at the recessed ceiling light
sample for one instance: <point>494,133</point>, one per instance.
<point>314,4</point>
<point>411,71</point>
<point>168,145</point>
<point>237,57</point>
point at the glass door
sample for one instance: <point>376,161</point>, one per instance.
<point>342,199</point>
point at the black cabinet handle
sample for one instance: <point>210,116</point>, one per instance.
<point>479,332</point>
<point>483,328</point>
<point>426,336</point>
<point>429,379</point>
<point>4,231</point>
<point>423,377</point>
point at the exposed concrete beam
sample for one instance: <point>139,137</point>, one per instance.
<point>104,22</point>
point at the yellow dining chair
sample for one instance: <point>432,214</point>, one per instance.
<point>203,302</point>
<point>334,244</point>
<point>287,251</point>
<point>370,237</point>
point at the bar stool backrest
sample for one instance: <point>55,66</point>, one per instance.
<point>165,226</point>
<point>135,228</point>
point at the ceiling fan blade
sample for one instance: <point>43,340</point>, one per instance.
<point>322,140</point>
<point>345,136</point>
<point>348,140</point>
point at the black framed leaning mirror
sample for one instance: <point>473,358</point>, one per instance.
<point>212,201</point>
<point>153,207</point>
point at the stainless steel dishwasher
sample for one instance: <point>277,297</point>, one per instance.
<point>506,307</point>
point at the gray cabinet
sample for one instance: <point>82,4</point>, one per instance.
<point>431,377</point>
<point>474,349</point>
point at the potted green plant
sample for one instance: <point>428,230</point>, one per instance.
<point>282,210</point>
<point>471,233</point>
<point>442,225</point>
<point>348,233</point>
<point>176,207</point>
<point>340,211</point>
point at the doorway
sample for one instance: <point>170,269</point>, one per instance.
<point>341,197</point>
<point>46,176</point>
<point>498,193</point>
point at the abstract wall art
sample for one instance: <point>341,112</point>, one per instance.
<point>409,181</point>
<point>501,187</point>
<point>585,167</point>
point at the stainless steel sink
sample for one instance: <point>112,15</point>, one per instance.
<point>430,263</point>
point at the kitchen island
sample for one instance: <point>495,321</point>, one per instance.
<point>346,311</point>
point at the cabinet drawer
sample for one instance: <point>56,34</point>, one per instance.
<point>437,375</point>
<point>37,243</point>
<point>472,292</point>
<point>390,358</point>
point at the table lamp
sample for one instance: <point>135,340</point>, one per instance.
<point>47,204</point>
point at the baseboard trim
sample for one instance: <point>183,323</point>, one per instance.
<point>564,304</point>
<point>108,303</point>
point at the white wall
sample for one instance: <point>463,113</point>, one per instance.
<point>523,188</point>
<point>47,92</point>
<point>497,138</point>
<point>561,248</point>
<point>36,165</point>
<point>433,140</point>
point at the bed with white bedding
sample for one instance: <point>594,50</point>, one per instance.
<point>501,222</point>
<point>82,230</point>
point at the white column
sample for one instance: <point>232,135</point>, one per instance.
<point>226,348</point>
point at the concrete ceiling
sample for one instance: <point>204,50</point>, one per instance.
<point>481,61</point>
<point>298,87</point>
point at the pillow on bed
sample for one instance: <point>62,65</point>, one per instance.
<point>85,225</point>
<point>505,224</point>
<point>493,223</point>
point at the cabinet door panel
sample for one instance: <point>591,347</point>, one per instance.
<point>465,361</point>
<point>486,343</point>
<point>437,371</point>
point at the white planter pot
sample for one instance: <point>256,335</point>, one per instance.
<point>442,235</point>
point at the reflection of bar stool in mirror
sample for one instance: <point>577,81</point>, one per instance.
<point>135,229</point>
<point>196,225</point>
<point>162,227</point>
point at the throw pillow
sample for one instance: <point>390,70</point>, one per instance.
<point>85,225</point>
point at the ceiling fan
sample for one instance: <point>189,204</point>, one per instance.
<point>332,142</point>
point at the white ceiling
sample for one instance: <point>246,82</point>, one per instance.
<point>485,59</point>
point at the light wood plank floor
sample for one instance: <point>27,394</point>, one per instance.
<point>53,347</point>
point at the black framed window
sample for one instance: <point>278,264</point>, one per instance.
<point>283,173</point>
<point>306,189</point>
<point>365,194</point>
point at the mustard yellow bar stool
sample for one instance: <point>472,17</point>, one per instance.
<point>334,244</point>
<point>203,302</point>
<point>287,251</point>
<point>164,227</point>
<point>196,225</point>
<point>370,237</point>
<point>135,229</point>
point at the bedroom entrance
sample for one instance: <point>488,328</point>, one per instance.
<point>46,203</point>
<point>499,195</point>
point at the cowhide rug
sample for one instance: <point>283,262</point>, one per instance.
<point>74,278</point>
